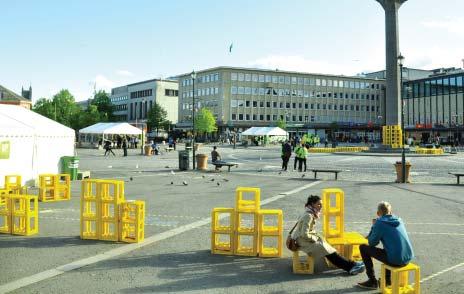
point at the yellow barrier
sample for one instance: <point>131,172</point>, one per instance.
<point>337,149</point>
<point>438,151</point>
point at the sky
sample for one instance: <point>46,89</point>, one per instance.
<point>80,45</point>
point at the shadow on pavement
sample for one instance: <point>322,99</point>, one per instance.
<point>8,241</point>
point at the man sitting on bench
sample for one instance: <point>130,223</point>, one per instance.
<point>215,156</point>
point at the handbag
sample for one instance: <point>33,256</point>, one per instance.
<point>291,243</point>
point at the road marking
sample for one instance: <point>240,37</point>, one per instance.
<point>441,272</point>
<point>26,281</point>
<point>408,223</point>
<point>349,159</point>
<point>430,233</point>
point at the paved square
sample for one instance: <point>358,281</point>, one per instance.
<point>175,257</point>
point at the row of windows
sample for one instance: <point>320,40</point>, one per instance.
<point>171,92</point>
<point>117,99</point>
<point>275,105</point>
<point>241,77</point>
<point>435,87</point>
<point>435,109</point>
<point>201,92</point>
<point>214,77</point>
<point>294,118</point>
<point>200,104</point>
<point>142,93</point>
<point>299,93</point>
<point>120,107</point>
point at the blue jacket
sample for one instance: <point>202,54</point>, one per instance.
<point>390,230</point>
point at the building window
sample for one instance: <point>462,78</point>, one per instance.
<point>248,77</point>
<point>240,117</point>
<point>234,116</point>
<point>241,77</point>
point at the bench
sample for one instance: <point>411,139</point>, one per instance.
<point>219,164</point>
<point>457,175</point>
<point>315,171</point>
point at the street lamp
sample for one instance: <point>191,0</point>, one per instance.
<point>403,155</point>
<point>193,75</point>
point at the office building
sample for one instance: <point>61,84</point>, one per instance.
<point>243,97</point>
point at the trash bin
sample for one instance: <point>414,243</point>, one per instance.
<point>147,149</point>
<point>399,171</point>
<point>202,161</point>
<point>69,165</point>
<point>184,160</point>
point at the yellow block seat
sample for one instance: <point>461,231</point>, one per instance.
<point>302,267</point>
<point>400,279</point>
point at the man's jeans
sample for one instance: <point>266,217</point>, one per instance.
<point>369,252</point>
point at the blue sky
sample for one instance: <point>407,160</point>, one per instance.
<point>75,44</point>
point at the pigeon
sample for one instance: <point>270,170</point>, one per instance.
<point>218,183</point>
<point>260,158</point>
<point>172,172</point>
<point>172,183</point>
<point>131,178</point>
<point>212,180</point>
<point>225,180</point>
<point>303,176</point>
<point>185,183</point>
<point>260,170</point>
<point>280,172</point>
<point>203,176</point>
<point>136,166</point>
<point>167,166</point>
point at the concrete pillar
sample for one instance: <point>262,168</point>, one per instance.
<point>393,94</point>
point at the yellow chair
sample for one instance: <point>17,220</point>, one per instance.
<point>302,267</point>
<point>400,279</point>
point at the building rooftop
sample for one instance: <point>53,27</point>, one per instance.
<point>6,94</point>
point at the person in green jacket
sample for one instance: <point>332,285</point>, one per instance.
<point>297,158</point>
<point>301,153</point>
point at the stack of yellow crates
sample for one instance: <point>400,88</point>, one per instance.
<point>393,136</point>
<point>263,225</point>
<point>346,243</point>
<point>54,187</point>
<point>19,215</point>
<point>105,215</point>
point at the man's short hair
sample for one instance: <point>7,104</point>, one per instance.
<point>384,207</point>
<point>214,147</point>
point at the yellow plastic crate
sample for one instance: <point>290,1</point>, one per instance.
<point>400,279</point>
<point>24,214</point>
<point>5,212</point>
<point>250,249</point>
<point>222,242</point>
<point>241,203</point>
<point>132,221</point>
<point>12,182</point>
<point>335,212</point>
<point>305,267</point>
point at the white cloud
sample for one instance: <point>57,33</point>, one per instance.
<point>452,25</point>
<point>433,57</point>
<point>103,83</point>
<point>124,73</point>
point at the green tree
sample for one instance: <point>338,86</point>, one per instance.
<point>282,124</point>
<point>61,108</point>
<point>86,117</point>
<point>205,123</point>
<point>104,106</point>
<point>45,107</point>
<point>157,118</point>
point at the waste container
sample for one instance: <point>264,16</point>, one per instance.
<point>184,160</point>
<point>202,161</point>
<point>399,171</point>
<point>69,165</point>
<point>147,149</point>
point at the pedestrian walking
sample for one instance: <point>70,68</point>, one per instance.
<point>286,154</point>
<point>124,146</point>
<point>108,148</point>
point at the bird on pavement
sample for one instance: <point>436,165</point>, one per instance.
<point>172,183</point>
<point>131,178</point>
<point>218,183</point>
<point>225,180</point>
<point>185,183</point>
<point>212,180</point>
<point>280,172</point>
<point>303,176</point>
<point>172,172</point>
<point>260,170</point>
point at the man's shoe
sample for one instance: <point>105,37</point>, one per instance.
<point>370,284</point>
<point>357,268</point>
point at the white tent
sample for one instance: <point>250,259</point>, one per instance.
<point>31,144</point>
<point>111,129</point>
<point>264,131</point>
<point>89,136</point>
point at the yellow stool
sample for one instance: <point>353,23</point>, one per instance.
<point>299,267</point>
<point>400,279</point>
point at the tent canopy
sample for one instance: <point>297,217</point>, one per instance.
<point>111,129</point>
<point>264,131</point>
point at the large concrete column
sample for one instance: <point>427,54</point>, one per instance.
<point>393,94</point>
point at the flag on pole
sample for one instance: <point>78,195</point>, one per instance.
<point>230,47</point>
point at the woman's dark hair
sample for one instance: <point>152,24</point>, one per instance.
<point>312,199</point>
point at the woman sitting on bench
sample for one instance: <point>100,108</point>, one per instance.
<point>215,156</point>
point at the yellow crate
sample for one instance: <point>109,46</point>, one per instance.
<point>246,249</point>
<point>305,267</point>
<point>5,212</point>
<point>239,227</point>
<point>270,230</point>
<point>221,246</point>
<point>335,211</point>
<point>219,213</point>
<point>348,246</point>
<point>400,279</point>
<point>54,187</point>
<point>132,221</point>
<point>24,214</point>
<point>246,204</point>
<point>90,211</point>
<point>265,250</point>
<point>12,182</point>
<point>111,191</point>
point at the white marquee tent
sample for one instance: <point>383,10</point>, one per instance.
<point>31,144</point>
<point>264,131</point>
<point>92,134</point>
